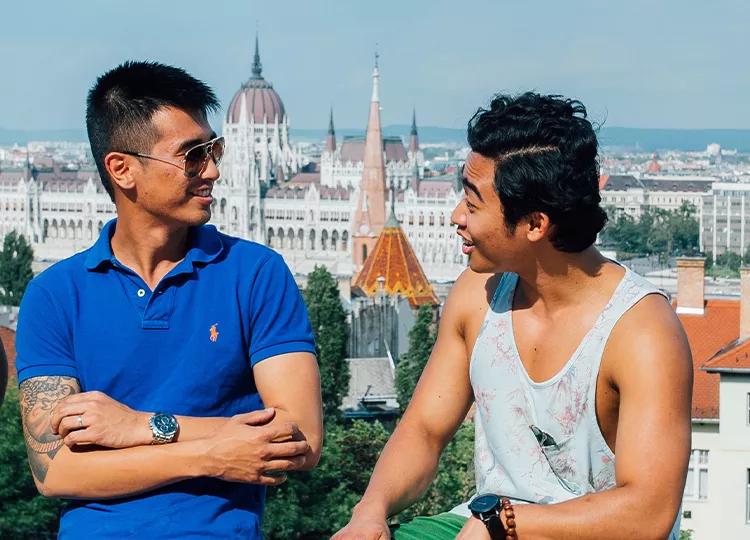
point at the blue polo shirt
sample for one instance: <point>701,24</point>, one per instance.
<point>187,348</point>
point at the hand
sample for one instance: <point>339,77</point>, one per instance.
<point>473,529</point>
<point>250,449</point>
<point>93,418</point>
<point>364,526</point>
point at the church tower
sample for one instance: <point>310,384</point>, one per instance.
<point>369,217</point>
<point>331,137</point>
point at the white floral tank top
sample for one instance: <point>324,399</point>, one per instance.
<point>540,442</point>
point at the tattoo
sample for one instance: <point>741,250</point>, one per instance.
<point>38,397</point>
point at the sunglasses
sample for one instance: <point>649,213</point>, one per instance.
<point>195,160</point>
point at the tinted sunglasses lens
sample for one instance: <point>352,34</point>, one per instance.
<point>195,159</point>
<point>217,150</point>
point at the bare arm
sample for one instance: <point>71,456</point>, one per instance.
<point>290,384</point>
<point>440,403</point>
<point>652,370</point>
<point>242,450</point>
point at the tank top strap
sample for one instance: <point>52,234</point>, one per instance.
<point>631,290</point>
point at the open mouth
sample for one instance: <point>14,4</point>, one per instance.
<point>466,246</point>
<point>204,192</point>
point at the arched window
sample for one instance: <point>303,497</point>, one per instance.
<point>290,238</point>
<point>311,244</point>
<point>270,237</point>
<point>334,240</point>
<point>344,240</point>
<point>300,239</point>
<point>324,240</point>
<point>364,253</point>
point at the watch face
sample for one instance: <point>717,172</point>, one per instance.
<point>484,503</point>
<point>165,423</point>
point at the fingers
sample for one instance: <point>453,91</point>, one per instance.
<point>287,449</point>
<point>65,410</point>
<point>69,424</point>
<point>286,431</point>
<point>283,465</point>
<point>256,418</point>
<point>79,436</point>
<point>275,480</point>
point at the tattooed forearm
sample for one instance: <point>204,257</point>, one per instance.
<point>38,397</point>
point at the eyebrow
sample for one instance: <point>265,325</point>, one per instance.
<point>187,145</point>
<point>472,187</point>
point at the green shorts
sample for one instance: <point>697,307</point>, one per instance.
<point>440,527</point>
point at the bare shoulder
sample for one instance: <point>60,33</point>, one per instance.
<point>470,297</point>
<point>648,341</point>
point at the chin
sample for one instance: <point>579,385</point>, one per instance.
<point>483,266</point>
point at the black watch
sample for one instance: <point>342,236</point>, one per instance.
<point>486,508</point>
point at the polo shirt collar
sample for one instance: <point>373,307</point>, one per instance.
<point>205,245</point>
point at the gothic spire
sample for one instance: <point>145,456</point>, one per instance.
<point>257,66</point>
<point>331,137</point>
<point>414,139</point>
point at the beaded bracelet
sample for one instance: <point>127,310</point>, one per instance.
<point>510,520</point>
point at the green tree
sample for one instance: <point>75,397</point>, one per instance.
<point>15,268</point>
<point>656,231</point>
<point>685,230</point>
<point>25,514</point>
<point>454,481</point>
<point>410,366</point>
<point>315,504</point>
<point>331,329</point>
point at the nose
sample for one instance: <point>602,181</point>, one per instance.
<point>458,216</point>
<point>211,171</point>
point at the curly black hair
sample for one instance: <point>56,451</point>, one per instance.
<point>545,153</point>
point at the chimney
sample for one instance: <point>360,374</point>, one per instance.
<point>744,303</point>
<point>690,274</point>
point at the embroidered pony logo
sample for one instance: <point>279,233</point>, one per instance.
<point>213,333</point>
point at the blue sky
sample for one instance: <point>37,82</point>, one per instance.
<point>659,64</point>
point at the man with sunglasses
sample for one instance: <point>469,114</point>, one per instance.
<point>146,361</point>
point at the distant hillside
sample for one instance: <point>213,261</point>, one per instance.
<point>645,140</point>
<point>9,137</point>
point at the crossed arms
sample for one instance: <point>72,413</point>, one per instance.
<point>111,456</point>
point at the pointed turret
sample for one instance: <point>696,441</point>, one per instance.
<point>414,139</point>
<point>371,204</point>
<point>392,267</point>
<point>257,66</point>
<point>331,137</point>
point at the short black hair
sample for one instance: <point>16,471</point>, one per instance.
<point>545,153</point>
<point>123,100</point>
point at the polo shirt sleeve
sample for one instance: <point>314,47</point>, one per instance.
<point>43,342</point>
<point>278,316</point>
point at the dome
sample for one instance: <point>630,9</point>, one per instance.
<point>262,102</point>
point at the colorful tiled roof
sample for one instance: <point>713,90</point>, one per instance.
<point>394,260</point>
<point>709,334</point>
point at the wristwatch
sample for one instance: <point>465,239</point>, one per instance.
<point>486,508</point>
<point>164,428</point>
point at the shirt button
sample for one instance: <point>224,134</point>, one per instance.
<point>141,293</point>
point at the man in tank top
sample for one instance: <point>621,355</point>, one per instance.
<point>579,369</point>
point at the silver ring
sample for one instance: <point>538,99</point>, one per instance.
<point>80,421</point>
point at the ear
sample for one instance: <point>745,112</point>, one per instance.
<point>539,226</point>
<point>121,168</point>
